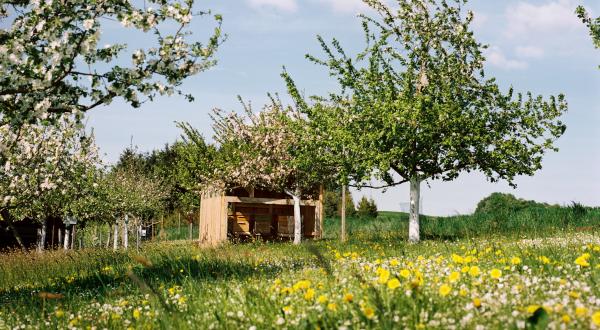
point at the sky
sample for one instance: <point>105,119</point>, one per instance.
<point>534,45</point>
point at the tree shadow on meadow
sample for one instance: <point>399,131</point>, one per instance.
<point>113,283</point>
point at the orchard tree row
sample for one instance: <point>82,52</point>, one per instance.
<point>415,105</point>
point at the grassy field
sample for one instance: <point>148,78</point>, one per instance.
<point>469,273</point>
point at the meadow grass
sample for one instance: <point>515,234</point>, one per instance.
<point>469,273</point>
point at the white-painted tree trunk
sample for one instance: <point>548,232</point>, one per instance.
<point>413,220</point>
<point>116,236</point>
<point>125,233</point>
<point>67,237</point>
<point>296,196</point>
<point>41,241</point>
<point>343,214</point>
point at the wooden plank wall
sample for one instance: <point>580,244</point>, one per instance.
<point>213,219</point>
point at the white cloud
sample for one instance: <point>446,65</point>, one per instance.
<point>496,57</point>
<point>479,19</point>
<point>283,5</point>
<point>345,6</point>
<point>529,52</point>
<point>548,17</point>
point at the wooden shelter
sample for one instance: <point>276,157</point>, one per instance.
<point>257,213</point>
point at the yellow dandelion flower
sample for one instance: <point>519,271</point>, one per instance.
<point>532,308</point>
<point>369,312</point>
<point>322,299</point>
<point>310,294</point>
<point>515,260</point>
<point>457,259</point>
<point>384,275</point>
<point>581,311</point>
<point>348,297</point>
<point>596,318</point>
<point>393,284</point>
<point>59,313</point>
<point>566,318</point>
<point>136,313</point>
<point>574,294</point>
<point>582,260</point>
<point>287,309</point>
<point>332,307</point>
<point>394,262</point>
<point>544,260</point>
<point>462,292</point>
<point>445,290</point>
<point>453,277</point>
<point>477,302</point>
<point>301,285</point>
<point>405,273</point>
<point>474,271</point>
<point>495,273</point>
<point>465,269</point>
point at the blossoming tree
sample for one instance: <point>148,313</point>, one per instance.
<point>275,149</point>
<point>51,62</point>
<point>44,167</point>
<point>422,107</point>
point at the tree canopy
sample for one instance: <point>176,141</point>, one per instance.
<point>420,105</point>
<point>51,62</point>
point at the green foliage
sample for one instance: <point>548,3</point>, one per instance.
<point>367,208</point>
<point>332,203</point>
<point>501,203</point>
<point>592,23</point>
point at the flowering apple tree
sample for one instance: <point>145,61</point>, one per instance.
<point>51,60</point>
<point>274,149</point>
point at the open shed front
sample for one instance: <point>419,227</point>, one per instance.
<point>257,214</point>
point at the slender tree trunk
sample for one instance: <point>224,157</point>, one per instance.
<point>125,233</point>
<point>67,237</point>
<point>60,238</point>
<point>343,214</point>
<point>108,237</point>
<point>413,221</point>
<point>4,214</point>
<point>179,223</point>
<point>73,236</point>
<point>296,196</point>
<point>138,235</point>
<point>116,236</point>
<point>41,241</point>
<point>191,230</point>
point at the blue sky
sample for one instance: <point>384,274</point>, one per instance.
<point>535,45</point>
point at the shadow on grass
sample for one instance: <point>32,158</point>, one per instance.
<point>169,271</point>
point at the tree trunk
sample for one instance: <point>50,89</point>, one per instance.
<point>343,214</point>
<point>73,236</point>
<point>41,241</point>
<point>108,237</point>
<point>67,237</point>
<point>138,236</point>
<point>116,236</point>
<point>125,233</point>
<point>413,222</point>
<point>191,230</point>
<point>296,196</point>
<point>9,220</point>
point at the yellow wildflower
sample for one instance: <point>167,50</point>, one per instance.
<point>136,313</point>
<point>453,277</point>
<point>405,273</point>
<point>369,312</point>
<point>474,271</point>
<point>332,307</point>
<point>394,262</point>
<point>301,285</point>
<point>596,318</point>
<point>582,260</point>
<point>581,311</point>
<point>287,309</point>
<point>532,308</point>
<point>384,275</point>
<point>322,299</point>
<point>393,284</point>
<point>515,260</point>
<point>496,273</point>
<point>348,297</point>
<point>59,313</point>
<point>477,302</point>
<point>457,259</point>
<point>445,290</point>
<point>310,294</point>
<point>566,318</point>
